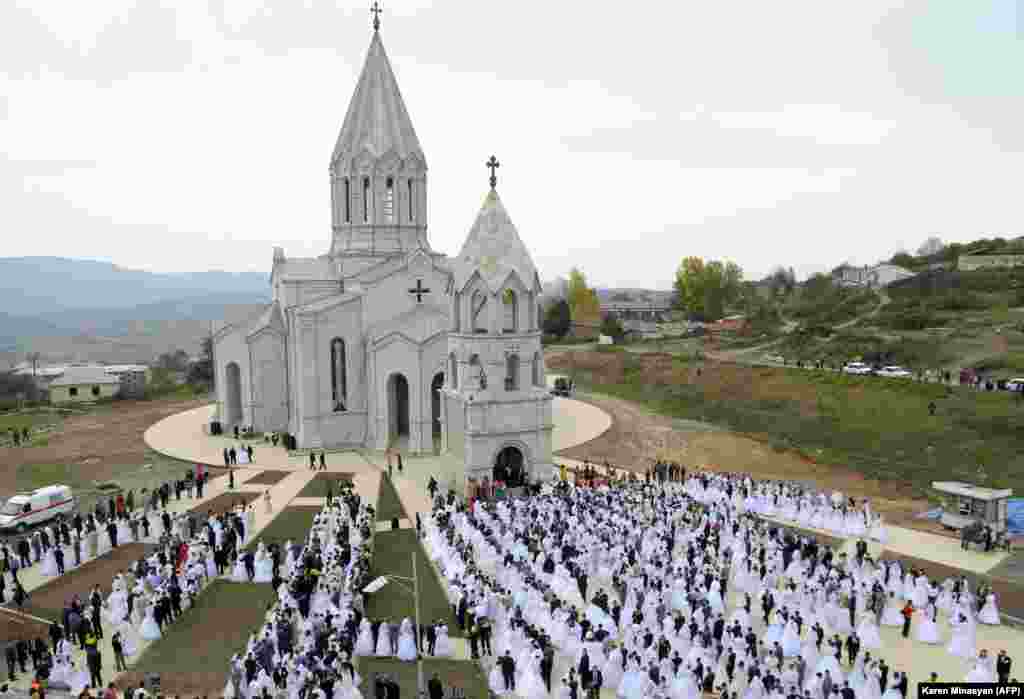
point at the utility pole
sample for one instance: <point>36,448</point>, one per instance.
<point>420,684</point>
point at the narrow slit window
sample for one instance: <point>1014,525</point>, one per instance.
<point>389,201</point>
<point>366,200</point>
<point>412,206</point>
<point>348,201</point>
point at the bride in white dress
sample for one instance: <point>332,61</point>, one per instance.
<point>364,643</point>
<point>962,642</point>
<point>150,630</point>
<point>443,648</point>
<point>406,642</point>
<point>264,565</point>
<point>238,573</point>
<point>49,567</point>
<point>928,629</point>
<point>128,645</point>
<point>989,613</point>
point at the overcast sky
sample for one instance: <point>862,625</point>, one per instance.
<point>189,136</point>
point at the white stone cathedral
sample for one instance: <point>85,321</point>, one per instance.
<point>383,342</point>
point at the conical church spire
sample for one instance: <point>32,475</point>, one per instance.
<point>378,171</point>
<point>377,121</point>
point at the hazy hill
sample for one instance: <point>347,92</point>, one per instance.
<point>87,310</point>
<point>31,286</point>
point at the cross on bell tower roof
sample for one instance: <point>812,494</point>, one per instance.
<point>493,164</point>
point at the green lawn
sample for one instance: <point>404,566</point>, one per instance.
<point>388,504</point>
<point>880,427</point>
<point>317,488</point>
<point>194,653</point>
<point>392,555</point>
<point>30,420</point>
<point>454,674</point>
<point>291,523</point>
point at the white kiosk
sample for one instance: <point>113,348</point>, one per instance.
<point>973,503</point>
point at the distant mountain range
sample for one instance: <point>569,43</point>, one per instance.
<point>83,309</point>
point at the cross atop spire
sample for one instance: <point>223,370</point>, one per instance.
<point>493,164</point>
<point>375,11</point>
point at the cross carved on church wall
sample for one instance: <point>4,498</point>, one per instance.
<point>419,290</point>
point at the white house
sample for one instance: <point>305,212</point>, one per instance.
<point>383,341</point>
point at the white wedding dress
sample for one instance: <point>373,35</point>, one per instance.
<point>149,630</point>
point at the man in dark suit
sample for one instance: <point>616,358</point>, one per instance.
<point>1003,664</point>
<point>434,688</point>
<point>852,647</point>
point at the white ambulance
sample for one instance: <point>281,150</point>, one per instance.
<point>27,509</point>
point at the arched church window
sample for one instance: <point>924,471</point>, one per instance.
<point>538,371</point>
<point>478,319</point>
<point>412,205</point>
<point>512,372</point>
<point>510,311</point>
<point>453,370</point>
<point>339,389</point>
<point>389,200</point>
<point>348,201</point>
<point>475,370</point>
<point>366,200</point>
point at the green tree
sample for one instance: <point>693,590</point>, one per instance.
<point>584,306</point>
<point>558,318</point>
<point>200,373</point>
<point>611,327</point>
<point>903,259</point>
<point>705,290</point>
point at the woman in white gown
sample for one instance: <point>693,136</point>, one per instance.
<point>962,642</point>
<point>927,629</point>
<point>49,567</point>
<point>989,613</point>
<point>238,573</point>
<point>892,615</point>
<point>149,630</point>
<point>383,641</point>
<point>790,640</point>
<point>868,632</point>
<point>364,643</point>
<point>443,647</point>
<point>263,564</point>
<point>983,670</point>
<point>79,678</point>
<point>406,642</point>
<point>128,645</point>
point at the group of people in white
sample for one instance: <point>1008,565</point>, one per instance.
<point>319,597</point>
<point>713,596</point>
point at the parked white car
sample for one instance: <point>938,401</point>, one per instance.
<point>1015,385</point>
<point>776,358</point>
<point>23,510</point>
<point>894,372</point>
<point>857,369</point>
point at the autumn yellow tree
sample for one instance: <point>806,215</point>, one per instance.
<point>584,305</point>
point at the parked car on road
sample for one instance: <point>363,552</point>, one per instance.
<point>563,387</point>
<point>858,369</point>
<point>1015,385</point>
<point>894,372</point>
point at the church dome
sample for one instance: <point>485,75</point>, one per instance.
<point>494,250</point>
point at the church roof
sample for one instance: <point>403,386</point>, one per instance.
<point>494,250</point>
<point>377,119</point>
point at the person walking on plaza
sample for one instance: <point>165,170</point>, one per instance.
<point>323,461</point>
<point>266,501</point>
<point>908,613</point>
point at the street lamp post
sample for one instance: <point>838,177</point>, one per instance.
<point>377,584</point>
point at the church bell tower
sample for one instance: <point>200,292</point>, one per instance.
<point>378,172</point>
<point>497,406</point>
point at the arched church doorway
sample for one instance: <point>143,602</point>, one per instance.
<point>435,405</point>
<point>398,409</point>
<point>233,394</point>
<point>509,467</point>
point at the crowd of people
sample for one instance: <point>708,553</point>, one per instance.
<point>674,585</point>
<point>306,645</point>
